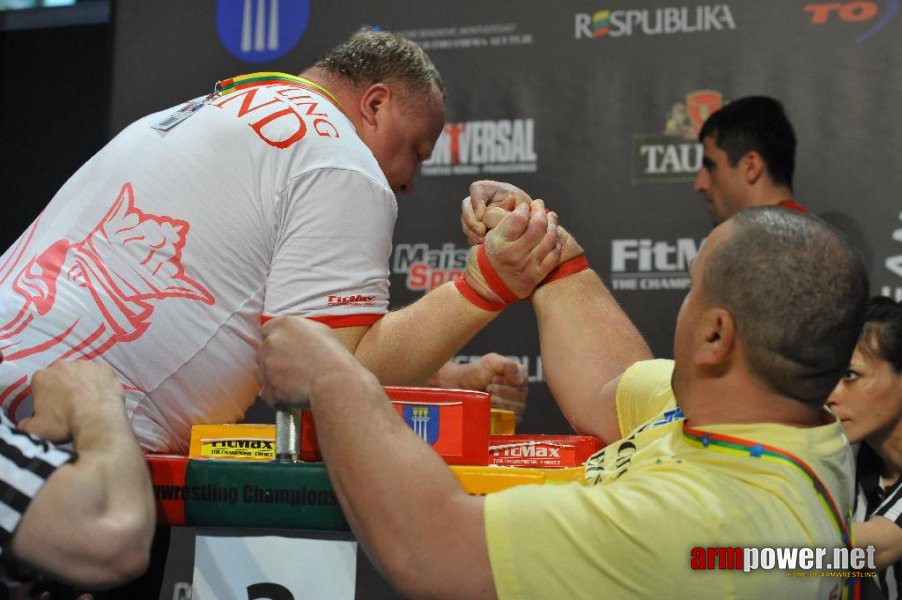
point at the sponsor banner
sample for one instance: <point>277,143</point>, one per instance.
<point>650,265</point>
<point>243,493</point>
<point>258,31</point>
<point>891,284</point>
<point>452,37</point>
<point>428,267</point>
<point>261,449</point>
<point>243,441</point>
<point>484,147</point>
<point>675,155</point>
<point>546,451</point>
<point>853,15</point>
<point>235,493</point>
<point>606,23</point>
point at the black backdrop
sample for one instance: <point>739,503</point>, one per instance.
<point>589,105</point>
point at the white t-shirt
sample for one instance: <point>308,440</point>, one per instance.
<point>162,254</point>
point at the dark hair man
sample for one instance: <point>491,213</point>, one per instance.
<point>749,157</point>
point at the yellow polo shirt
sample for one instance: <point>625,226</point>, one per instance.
<point>663,491</point>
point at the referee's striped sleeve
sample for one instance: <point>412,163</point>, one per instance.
<point>25,464</point>
<point>891,507</point>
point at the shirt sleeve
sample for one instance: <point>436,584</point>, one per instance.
<point>333,246</point>
<point>644,392</point>
<point>891,507</point>
<point>26,463</point>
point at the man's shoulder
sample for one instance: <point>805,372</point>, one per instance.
<point>653,373</point>
<point>644,392</point>
<point>303,127</point>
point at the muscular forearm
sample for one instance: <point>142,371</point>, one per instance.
<point>586,342</point>
<point>92,522</point>
<point>407,346</point>
<point>403,503</point>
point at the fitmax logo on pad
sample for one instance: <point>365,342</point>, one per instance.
<point>258,31</point>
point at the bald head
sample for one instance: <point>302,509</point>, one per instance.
<point>797,291</point>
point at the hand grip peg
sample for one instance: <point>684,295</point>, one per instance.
<point>288,424</point>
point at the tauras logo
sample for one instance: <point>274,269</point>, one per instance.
<point>427,267</point>
<point>473,147</point>
<point>675,154</point>
<point>660,21</point>
<point>645,264</point>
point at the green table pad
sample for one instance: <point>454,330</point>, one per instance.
<point>225,493</point>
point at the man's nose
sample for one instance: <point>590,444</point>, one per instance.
<point>701,181</point>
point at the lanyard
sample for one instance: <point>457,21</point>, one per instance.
<point>234,84</point>
<point>740,447</point>
<point>240,82</point>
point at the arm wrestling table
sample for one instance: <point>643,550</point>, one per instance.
<point>265,529</point>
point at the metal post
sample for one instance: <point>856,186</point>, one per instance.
<point>287,428</point>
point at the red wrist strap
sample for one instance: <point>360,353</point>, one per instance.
<point>492,279</point>
<point>567,268</point>
<point>467,291</point>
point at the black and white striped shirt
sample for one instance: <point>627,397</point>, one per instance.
<point>25,464</point>
<point>873,500</point>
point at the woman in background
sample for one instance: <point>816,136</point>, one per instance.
<point>868,403</point>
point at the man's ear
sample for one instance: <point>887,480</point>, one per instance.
<point>753,167</point>
<point>372,100</point>
<point>717,332</point>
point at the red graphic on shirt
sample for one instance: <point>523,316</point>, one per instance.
<point>81,298</point>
